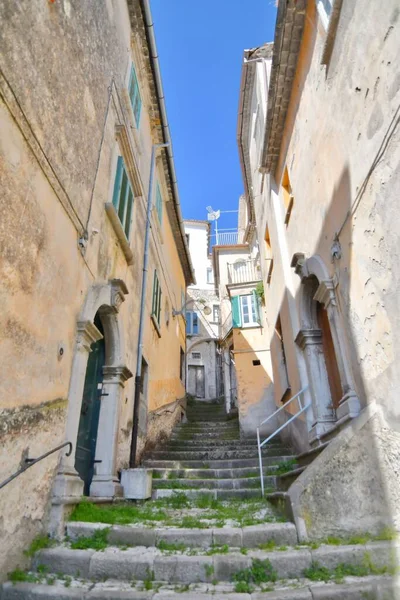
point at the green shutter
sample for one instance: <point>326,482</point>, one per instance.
<point>236,317</point>
<point>257,306</point>
<point>154,304</point>
<point>118,182</point>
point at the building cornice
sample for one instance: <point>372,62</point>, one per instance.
<point>288,35</point>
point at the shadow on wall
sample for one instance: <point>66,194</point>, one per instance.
<point>353,486</point>
<point>254,385</point>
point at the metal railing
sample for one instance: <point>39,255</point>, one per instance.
<point>226,326</point>
<point>243,271</point>
<point>29,462</point>
<point>227,238</point>
<point>269,438</point>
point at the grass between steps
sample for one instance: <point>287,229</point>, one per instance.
<point>179,511</point>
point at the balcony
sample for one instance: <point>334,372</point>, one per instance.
<point>226,238</point>
<point>225,327</point>
<point>243,271</point>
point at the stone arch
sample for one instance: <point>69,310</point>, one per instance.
<point>104,299</point>
<point>319,287</point>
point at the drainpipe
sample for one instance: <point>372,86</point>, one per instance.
<point>148,21</point>
<point>138,376</point>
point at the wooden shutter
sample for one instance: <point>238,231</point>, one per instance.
<point>118,182</point>
<point>281,382</point>
<point>236,316</point>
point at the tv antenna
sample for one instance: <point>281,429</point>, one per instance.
<point>214,215</point>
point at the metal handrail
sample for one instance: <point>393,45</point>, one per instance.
<point>261,444</point>
<point>29,462</point>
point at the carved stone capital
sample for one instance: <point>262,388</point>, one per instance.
<point>87,335</point>
<point>299,264</point>
<point>118,293</point>
<point>308,337</point>
<point>325,293</point>
<point>118,374</point>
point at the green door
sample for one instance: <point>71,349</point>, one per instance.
<point>90,411</point>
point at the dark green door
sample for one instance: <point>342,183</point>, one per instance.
<point>90,411</point>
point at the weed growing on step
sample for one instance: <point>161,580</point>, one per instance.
<point>209,569</point>
<point>157,475</point>
<point>98,541</point>
<point>244,551</point>
<point>118,514</point>
<point>180,589</point>
<point>39,543</point>
<point>170,547</point>
<point>261,571</point>
<point>148,582</point>
<point>242,587</point>
<point>318,572</point>
<point>189,522</point>
<point>285,467</point>
<point>216,549</point>
<point>19,576</point>
<point>207,501</point>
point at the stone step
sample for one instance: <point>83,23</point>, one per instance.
<point>205,447</point>
<point>215,454</point>
<point>217,483</point>
<point>205,426</point>
<point>195,494</point>
<point>285,480</point>
<point>136,563</point>
<point>212,443</point>
<point>283,534</point>
<point>193,474</point>
<point>360,588</point>
<point>237,463</point>
<point>306,458</point>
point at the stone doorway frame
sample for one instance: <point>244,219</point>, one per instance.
<point>318,286</point>
<point>106,299</point>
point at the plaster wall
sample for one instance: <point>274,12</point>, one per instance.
<point>61,98</point>
<point>198,233</point>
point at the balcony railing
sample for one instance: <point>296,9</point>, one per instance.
<point>226,326</point>
<point>243,271</point>
<point>226,238</point>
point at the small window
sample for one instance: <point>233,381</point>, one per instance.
<point>159,204</point>
<point>210,278</point>
<point>156,306</point>
<point>288,198</point>
<point>134,95</point>
<point>256,363</point>
<point>192,323</point>
<point>196,355</point>
<point>325,11</point>
<point>245,311</point>
<point>215,313</point>
<point>123,197</point>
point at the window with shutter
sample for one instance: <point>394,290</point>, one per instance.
<point>123,197</point>
<point>159,204</point>
<point>192,323</point>
<point>236,314</point>
<point>134,95</point>
<point>156,305</point>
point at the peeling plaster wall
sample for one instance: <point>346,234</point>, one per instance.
<point>58,154</point>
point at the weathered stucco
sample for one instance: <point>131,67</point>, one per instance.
<point>353,485</point>
<point>64,120</point>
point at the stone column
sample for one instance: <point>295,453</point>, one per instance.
<point>310,341</point>
<point>105,481</point>
<point>67,481</point>
<point>349,405</point>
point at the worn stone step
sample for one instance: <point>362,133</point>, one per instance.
<point>206,426</point>
<point>306,458</point>
<point>371,588</point>
<point>217,483</point>
<point>285,480</point>
<point>212,464</point>
<point>214,454</point>
<point>236,443</point>
<point>136,563</point>
<point>283,534</point>
<point>194,494</point>
<point>193,474</point>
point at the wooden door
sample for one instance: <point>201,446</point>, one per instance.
<point>90,412</point>
<point>200,382</point>
<point>330,356</point>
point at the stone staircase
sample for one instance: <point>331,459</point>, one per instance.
<point>207,456</point>
<point>207,535</point>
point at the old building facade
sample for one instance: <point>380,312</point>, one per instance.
<point>82,113</point>
<point>202,315</point>
<point>319,148</point>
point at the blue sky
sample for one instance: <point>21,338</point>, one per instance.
<point>200,45</point>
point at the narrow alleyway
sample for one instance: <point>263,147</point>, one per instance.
<point>207,534</point>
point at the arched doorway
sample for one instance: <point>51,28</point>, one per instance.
<point>322,339</point>
<point>90,410</point>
